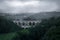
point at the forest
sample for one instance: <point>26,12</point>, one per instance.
<point>48,29</point>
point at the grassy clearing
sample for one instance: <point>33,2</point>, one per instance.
<point>8,36</point>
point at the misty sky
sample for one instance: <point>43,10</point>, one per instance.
<point>29,6</point>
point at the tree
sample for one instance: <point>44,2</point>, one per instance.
<point>7,26</point>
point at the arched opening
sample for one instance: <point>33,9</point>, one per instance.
<point>30,23</point>
<point>23,23</point>
<point>33,23</point>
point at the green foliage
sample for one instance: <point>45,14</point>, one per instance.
<point>48,29</point>
<point>7,36</point>
<point>42,29</point>
<point>7,26</point>
<point>53,34</point>
<point>22,35</point>
<point>25,31</point>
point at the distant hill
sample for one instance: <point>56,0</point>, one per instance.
<point>5,14</point>
<point>44,15</point>
<point>16,16</point>
<point>21,16</point>
<point>38,16</point>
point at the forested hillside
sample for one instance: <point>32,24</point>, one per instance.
<point>45,15</point>
<point>48,29</point>
<point>7,26</point>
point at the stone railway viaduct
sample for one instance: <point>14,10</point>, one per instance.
<point>27,24</point>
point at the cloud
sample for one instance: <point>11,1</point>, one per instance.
<point>27,6</point>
